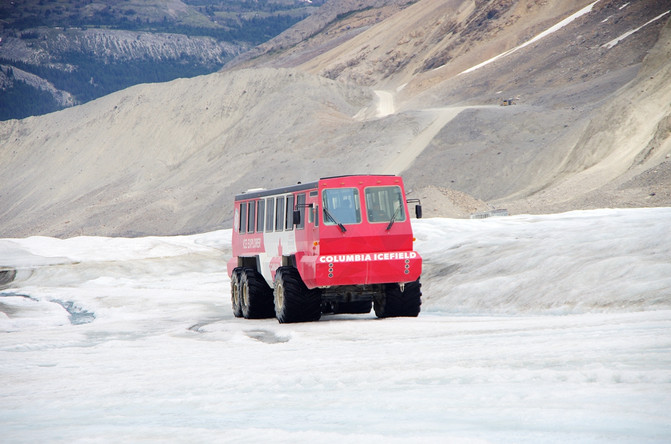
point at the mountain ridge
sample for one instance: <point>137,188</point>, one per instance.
<point>89,48</point>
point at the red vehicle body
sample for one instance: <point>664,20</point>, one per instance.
<point>337,245</point>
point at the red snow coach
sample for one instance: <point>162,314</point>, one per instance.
<point>338,245</point>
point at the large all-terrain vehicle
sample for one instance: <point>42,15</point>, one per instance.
<point>338,245</point>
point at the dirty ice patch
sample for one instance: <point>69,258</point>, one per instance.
<point>577,262</point>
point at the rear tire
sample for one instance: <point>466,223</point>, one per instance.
<point>294,302</point>
<point>235,293</point>
<point>397,303</point>
<point>256,297</point>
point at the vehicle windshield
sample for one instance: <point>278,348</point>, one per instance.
<point>341,206</point>
<point>384,204</point>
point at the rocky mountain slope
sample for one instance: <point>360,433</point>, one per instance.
<point>383,87</point>
<point>80,50</point>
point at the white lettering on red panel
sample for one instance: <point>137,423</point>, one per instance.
<point>249,244</point>
<point>368,257</point>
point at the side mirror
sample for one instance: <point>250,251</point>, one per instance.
<point>297,217</point>
<point>418,207</point>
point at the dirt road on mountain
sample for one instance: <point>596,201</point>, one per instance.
<point>441,117</point>
<point>409,153</point>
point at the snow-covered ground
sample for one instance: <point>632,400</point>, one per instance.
<point>533,329</point>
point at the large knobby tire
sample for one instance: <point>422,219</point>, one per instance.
<point>235,293</point>
<point>397,303</point>
<point>256,297</point>
<point>293,301</point>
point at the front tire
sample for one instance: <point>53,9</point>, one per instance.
<point>294,302</point>
<point>396,303</point>
<point>256,297</point>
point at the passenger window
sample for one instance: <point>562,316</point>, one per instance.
<point>260,215</point>
<point>279,214</point>
<point>270,214</point>
<point>251,219</point>
<point>289,219</point>
<point>243,217</point>
<point>300,206</point>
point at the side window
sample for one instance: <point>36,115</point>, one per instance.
<point>289,219</point>
<point>300,204</point>
<point>270,215</point>
<point>279,214</point>
<point>260,215</point>
<point>251,219</point>
<point>243,217</point>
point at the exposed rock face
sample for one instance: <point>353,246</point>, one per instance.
<point>51,48</point>
<point>63,98</point>
<point>112,45</point>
